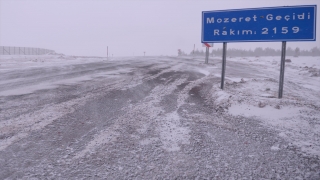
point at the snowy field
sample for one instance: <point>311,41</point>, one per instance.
<point>69,117</point>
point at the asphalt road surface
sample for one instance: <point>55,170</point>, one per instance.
<point>135,118</point>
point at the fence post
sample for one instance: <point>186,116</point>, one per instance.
<point>6,50</point>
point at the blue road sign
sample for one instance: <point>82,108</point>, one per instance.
<point>288,23</point>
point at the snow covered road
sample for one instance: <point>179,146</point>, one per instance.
<point>67,117</point>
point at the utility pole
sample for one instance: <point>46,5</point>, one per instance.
<point>194,47</point>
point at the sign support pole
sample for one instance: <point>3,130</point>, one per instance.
<point>207,55</point>
<point>281,79</point>
<point>224,57</point>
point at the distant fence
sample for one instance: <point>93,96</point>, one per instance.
<point>7,50</point>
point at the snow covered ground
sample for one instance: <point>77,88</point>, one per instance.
<point>296,117</point>
<point>160,117</point>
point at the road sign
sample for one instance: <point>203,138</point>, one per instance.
<point>207,45</point>
<point>288,23</point>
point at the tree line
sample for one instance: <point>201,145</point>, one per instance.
<point>259,51</point>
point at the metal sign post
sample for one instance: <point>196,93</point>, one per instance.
<point>281,79</point>
<point>224,61</point>
<point>207,56</point>
<point>207,45</point>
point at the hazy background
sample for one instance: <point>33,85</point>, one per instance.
<point>127,27</point>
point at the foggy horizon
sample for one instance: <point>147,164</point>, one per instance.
<point>127,28</point>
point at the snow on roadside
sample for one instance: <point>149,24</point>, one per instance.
<point>296,116</point>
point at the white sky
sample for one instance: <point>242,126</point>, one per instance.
<point>127,27</point>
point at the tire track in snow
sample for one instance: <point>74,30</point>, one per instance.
<point>149,112</point>
<point>15,129</point>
